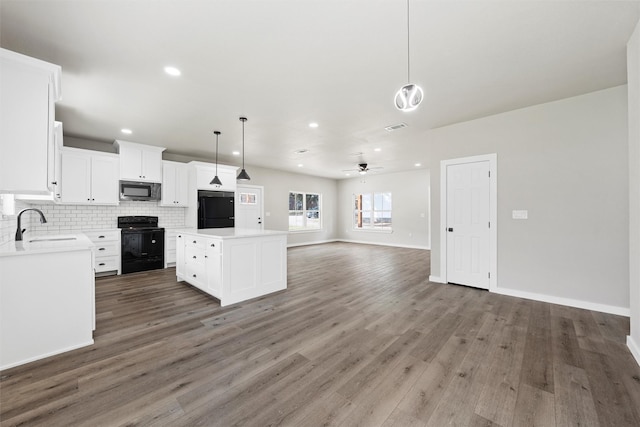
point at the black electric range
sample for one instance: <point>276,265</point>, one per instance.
<point>142,243</point>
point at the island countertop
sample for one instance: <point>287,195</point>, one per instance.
<point>230,233</point>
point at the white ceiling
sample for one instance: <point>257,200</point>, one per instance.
<point>285,63</point>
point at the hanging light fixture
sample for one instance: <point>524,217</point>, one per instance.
<point>409,96</point>
<point>243,175</point>
<point>216,180</point>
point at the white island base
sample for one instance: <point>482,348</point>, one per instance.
<point>232,264</point>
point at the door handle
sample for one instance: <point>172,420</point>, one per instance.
<point>450,230</point>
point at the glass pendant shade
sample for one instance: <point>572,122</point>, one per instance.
<point>408,97</point>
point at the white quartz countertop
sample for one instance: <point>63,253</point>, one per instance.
<point>231,233</point>
<point>46,243</point>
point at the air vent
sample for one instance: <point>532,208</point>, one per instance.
<point>301,151</point>
<point>395,127</point>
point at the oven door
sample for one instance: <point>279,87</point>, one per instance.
<point>142,250</point>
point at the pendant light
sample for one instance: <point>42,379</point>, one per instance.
<point>243,175</point>
<point>409,96</point>
<point>216,180</point>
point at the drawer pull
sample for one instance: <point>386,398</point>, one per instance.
<point>102,263</point>
<point>194,275</point>
<point>213,245</point>
<point>179,236</point>
<point>194,257</point>
<point>102,249</point>
<point>195,241</point>
<point>100,237</point>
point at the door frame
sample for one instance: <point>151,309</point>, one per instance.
<point>493,214</point>
<point>257,187</point>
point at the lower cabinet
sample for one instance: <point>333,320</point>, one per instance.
<point>170,237</point>
<point>107,250</point>
<point>198,262</point>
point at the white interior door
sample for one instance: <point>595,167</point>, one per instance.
<point>467,224</point>
<point>249,207</point>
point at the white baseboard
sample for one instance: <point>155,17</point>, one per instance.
<point>436,279</point>
<point>317,242</point>
<point>45,355</point>
<point>611,309</point>
<point>383,244</point>
<point>634,347</point>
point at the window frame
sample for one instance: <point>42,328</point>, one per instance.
<point>306,211</point>
<point>372,211</point>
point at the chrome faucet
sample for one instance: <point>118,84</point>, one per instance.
<point>20,230</point>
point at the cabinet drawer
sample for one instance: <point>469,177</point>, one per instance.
<point>103,235</point>
<point>104,249</point>
<point>195,274</point>
<point>107,264</point>
<point>192,255</point>
<point>194,242</point>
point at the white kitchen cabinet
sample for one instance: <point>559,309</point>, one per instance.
<point>29,89</point>
<point>169,247</point>
<point>107,250</point>
<point>206,171</point>
<point>175,184</point>
<point>56,162</point>
<point>89,177</point>
<point>233,265</point>
<point>180,254</point>
<point>139,162</point>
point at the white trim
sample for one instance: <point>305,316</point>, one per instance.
<point>395,245</point>
<point>372,230</point>
<point>436,279</point>
<point>45,355</point>
<point>612,309</point>
<point>634,347</point>
<point>493,214</point>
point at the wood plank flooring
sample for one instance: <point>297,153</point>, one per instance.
<point>360,338</point>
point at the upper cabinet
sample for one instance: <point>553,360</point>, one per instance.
<point>89,177</point>
<point>139,162</point>
<point>206,171</point>
<point>29,89</point>
<point>175,184</point>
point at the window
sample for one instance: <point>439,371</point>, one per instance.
<point>372,211</point>
<point>304,211</point>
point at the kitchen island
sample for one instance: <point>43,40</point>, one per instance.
<point>232,264</point>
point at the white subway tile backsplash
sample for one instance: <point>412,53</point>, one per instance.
<point>71,218</point>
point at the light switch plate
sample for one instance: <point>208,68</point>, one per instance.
<point>520,214</point>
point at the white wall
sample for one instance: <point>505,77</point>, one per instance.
<point>278,184</point>
<point>410,204</point>
<point>633,78</point>
<point>566,163</point>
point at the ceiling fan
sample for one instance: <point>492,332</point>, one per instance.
<point>363,168</point>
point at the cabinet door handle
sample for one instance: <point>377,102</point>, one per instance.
<point>102,249</point>
<point>194,241</point>
<point>213,245</point>
<point>101,264</point>
<point>194,275</point>
<point>100,237</point>
<point>194,257</point>
<point>179,236</point>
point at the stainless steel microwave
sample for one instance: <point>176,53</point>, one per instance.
<point>139,191</point>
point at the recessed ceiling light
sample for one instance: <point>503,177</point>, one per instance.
<point>172,71</point>
<point>347,174</point>
<point>236,153</point>
<point>313,125</point>
<point>377,149</point>
<point>300,165</point>
<point>127,131</point>
<point>395,127</point>
<point>418,165</point>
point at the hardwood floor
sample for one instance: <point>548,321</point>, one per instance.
<point>359,338</point>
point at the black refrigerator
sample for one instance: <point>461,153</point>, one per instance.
<point>215,209</point>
